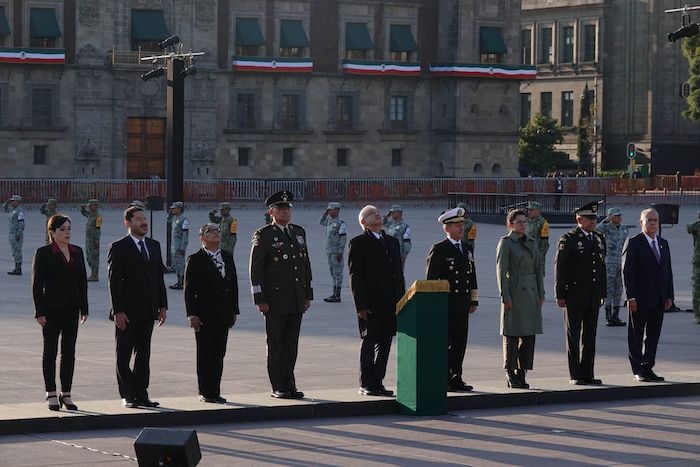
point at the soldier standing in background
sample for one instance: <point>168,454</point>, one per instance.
<point>694,230</point>
<point>16,231</point>
<point>538,228</point>
<point>48,209</point>
<point>228,226</point>
<point>398,228</point>
<point>93,230</point>
<point>615,236</point>
<point>469,236</point>
<point>336,236</point>
<point>178,243</point>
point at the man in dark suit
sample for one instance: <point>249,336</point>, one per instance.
<point>211,300</point>
<point>280,277</point>
<point>138,297</point>
<point>377,284</point>
<point>648,280</point>
<point>453,260</point>
<point>580,287</point>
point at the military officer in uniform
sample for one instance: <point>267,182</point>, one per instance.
<point>228,226</point>
<point>395,226</point>
<point>694,230</point>
<point>469,236</point>
<point>453,260</point>
<point>581,287</point>
<point>179,238</point>
<point>615,236</point>
<point>280,277</point>
<point>48,209</point>
<point>93,230</point>
<point>538,229</point>
<point>16,231</point>
<point>336,237</point>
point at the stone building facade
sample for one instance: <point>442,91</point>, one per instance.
<point>619,49</point>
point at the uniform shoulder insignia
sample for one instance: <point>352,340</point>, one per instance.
<point>544,231</point>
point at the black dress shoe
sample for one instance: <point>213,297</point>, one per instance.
<point>176,287</point>
<point>617,322</point>
<point>577,382</point>
<point>146,403</point>
<point>209,400</point>
<point>295,394</point>
<point>386,392</point>
<point>642,378</point>
<point>281,394</point>
<point>129,404</point>
<point>654,377</point>
<point>370,392</point>
<point>458,386</point>
<point>592,381</point>
<point>220,400</point>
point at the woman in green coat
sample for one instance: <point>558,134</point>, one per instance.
<point>519,274</point>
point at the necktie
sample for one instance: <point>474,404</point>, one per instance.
<point>656,251</point>
<point>219,263</point>
<point>144,252</point>
<point>286,232</point>
<point>459,247</point>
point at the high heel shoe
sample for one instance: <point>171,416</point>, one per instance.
<point>65,399</point>
<point>52,401</point>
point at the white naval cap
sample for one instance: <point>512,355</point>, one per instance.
<point>452,215</point>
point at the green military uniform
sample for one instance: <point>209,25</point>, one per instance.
<point>179,238</point>
<point>469,236</point>
<point>228,226</point>
<point>399,230</point>
<point>615,236</point>
<point>93,231</point>
<point>336,237</point>
<point>48,209</point>
<point>538,229</point>
<point>15,232</point>
<point>694,230</point>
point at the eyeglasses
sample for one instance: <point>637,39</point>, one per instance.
<point>212,231</point>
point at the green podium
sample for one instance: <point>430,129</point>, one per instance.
<point>421,356</point>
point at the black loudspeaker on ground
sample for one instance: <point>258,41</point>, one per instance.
<point>165,447</point>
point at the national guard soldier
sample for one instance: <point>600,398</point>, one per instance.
<point>228,226</point>
<point>581,287</point>
<point>93,230</point>
<point>16,231</point>
<point>615,236</point>
<point>538,228</point>
<point>336,236</point>
<point>179,238</point>
<point>48,209</point>
<point>399,229</point>
<point>280,278</point>
<point>469,236</point>
<point>453,260</point>
<point>694,230</point>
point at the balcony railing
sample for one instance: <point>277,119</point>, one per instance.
<point>133,57</point>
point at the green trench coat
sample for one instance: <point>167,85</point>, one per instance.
<point>519,275</point>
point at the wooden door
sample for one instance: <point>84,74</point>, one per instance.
<point>146,147</point>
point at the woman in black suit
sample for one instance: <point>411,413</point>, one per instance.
<point>59,286</point>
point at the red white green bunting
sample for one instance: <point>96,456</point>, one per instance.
<point>278,65</point>
<point>485,71</point>
<point>381,68</point>
<point>44,56</point>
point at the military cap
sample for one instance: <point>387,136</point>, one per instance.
<point>52,201</point>
<point>94,201</point>
<point>588,210</point>
<point>452,215</point>
<point>138,203</point>
<point>177,204</point>
<point>614,212</point>
<point>534,205</point>
<point>333,205</point>
<point>16,198</point>
<point>280,199</point>
<point>464,206</point>
<point>224,205</point>
<point>396,208</point>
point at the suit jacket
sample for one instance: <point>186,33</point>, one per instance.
<point>446,262</point>
<point>55,286</point>
<point>136,287</point>
<point>645,279</point>
<point>376,281</point>
<point>208,295</point>
<point>579,265</point>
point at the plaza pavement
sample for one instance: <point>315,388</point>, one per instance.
<point>327,367</point>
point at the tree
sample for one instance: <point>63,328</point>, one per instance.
<point>537,141</point>
<point>585,130</point>
<point>691,49</point>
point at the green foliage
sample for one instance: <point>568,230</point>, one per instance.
<point>585,130</point>
<point>691,49</point>
<point>537,141</point>
<point>611,173</point>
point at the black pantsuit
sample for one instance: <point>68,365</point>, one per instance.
<point>61,324</point>
<point>282,344</point>
<point>136,340</point>
<point>518,352</point>
<point>211,350</point>
<point>581,326</point>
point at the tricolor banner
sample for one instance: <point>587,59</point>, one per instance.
<point>43,56</point>
<point>277,65</point>
<point>485,71</point>
<point>381,68</point>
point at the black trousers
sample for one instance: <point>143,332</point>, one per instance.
<point>581,328</point>
<point>282,347</point>
<point>457,332</point>
<point>643,333</point>
<point>211,349</point>
<point>136,341</point>
<point>518,352</point>
<point>63,324</point>
<point>374,356</point>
